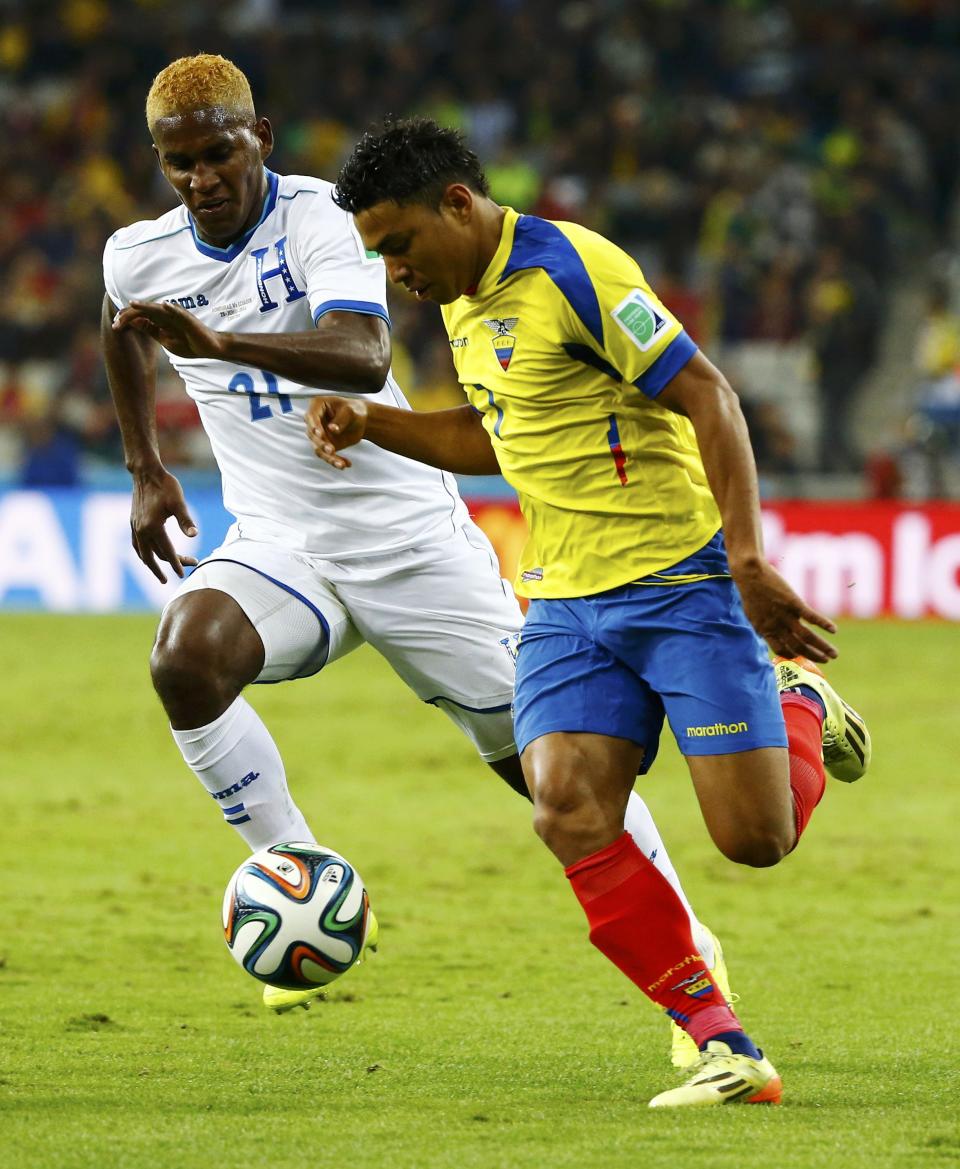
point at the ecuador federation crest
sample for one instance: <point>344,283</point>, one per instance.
<point>503,340</point>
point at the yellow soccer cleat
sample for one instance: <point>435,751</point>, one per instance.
<point>684,1053</point>
<point>721,1077</point>
<point>276,999</point>
<point>846,740</point>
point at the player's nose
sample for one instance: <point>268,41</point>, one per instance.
<point>398,270</point>
<point>204,178</point>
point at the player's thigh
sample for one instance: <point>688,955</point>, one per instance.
<point>301,623</point>
<point>568,683</point>
<point>746,803</point>
<point>448,624</point>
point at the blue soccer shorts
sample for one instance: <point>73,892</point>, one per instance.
<point>615,662</point>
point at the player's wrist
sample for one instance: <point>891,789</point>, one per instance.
<point>748,562</point>
<point>145,465</point>
<point>221,346</point>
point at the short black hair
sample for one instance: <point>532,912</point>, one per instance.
<point>407,160</point>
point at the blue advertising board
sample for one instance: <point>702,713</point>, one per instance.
<point>69,551</point>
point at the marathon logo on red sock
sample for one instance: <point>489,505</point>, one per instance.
<point>675,969</point>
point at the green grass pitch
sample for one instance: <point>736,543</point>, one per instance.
<point>487,1034</point>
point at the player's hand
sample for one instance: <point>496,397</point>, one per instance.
<point>156,497</point>
<point>172,326</point>
<point>782,618</point>
<point>334,423</point>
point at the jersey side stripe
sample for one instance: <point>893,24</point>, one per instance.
<point>540,244</point>
<point>152,240</point>
<point>590,357</point>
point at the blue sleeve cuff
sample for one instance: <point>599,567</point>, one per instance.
<point>368,308</point>
<point>667,366</point>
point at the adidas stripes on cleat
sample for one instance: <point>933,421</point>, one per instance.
<point>846,740</point>
<point>722,1077</point>
<point>276,999</point>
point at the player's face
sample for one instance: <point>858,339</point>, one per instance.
<point>432,252</point>
<point>215,164</point>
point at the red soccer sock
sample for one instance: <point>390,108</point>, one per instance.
<point>804,719</point>
<point>640,924</point>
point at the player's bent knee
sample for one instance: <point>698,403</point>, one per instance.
<point>759,850</point>
<point>199,664</point>
<point>569,819</point>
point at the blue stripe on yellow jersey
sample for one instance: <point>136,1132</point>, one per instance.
<point>563,348</point>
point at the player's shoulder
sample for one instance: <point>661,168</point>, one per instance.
<point>564,249</point>
<point>308,197</point>
<point>150,234</point>
<point>592,247</point>
<point>308,188</point>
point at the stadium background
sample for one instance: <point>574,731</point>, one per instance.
<point>786,173</point>
<point>731,147</point>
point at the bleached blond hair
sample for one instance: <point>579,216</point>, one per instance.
<point>206,81</point>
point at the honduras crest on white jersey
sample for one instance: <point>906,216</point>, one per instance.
<point>302,259</point>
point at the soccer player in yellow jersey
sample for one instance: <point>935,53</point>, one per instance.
<point>644,565</point>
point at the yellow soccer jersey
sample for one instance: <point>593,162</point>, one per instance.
<point>563,349</point>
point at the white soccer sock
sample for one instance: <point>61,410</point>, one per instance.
<point>237,761</point>
<point>640,824</point>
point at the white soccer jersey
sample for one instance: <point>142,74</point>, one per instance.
<point>302,259</point>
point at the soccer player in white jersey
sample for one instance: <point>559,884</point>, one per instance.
<point>262,295</point>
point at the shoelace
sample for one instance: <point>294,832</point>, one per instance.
<point>704,1061</point>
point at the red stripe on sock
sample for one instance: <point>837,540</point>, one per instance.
<point>804,719</point>
<point>640,924</point>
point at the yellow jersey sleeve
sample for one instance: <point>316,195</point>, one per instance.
<point>639,338</point>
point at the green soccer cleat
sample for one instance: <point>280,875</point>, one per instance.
<point>276,999</point>
<point>721,1077</point>
<point>684,1053</point>
<point>846,740</point>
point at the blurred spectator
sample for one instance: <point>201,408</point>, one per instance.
<point>937,358</point>
<point>937,352</point>
<point>884,475</point>
<point>774,447</point>
<point>844,317</point>
<point>52,456</point>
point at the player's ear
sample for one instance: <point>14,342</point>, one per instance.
<point>458,199</point>
<point>264,133</point>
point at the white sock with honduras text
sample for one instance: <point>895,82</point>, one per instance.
<point>237,761</point>
<point>642,827</point>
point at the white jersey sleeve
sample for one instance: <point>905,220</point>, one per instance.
<point>108,281</point>
<point>340,273</point>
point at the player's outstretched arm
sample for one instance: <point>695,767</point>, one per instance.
<point>131,361</point>
<point>779,615</point>
<point>453,440</point>
<point>347,351</point>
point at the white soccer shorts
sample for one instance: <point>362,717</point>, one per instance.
<point>440,614</point>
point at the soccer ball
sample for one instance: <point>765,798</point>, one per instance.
<point>296,915</point>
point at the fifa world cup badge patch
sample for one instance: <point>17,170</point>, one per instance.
<point>640,319</point>
<point>503,340</point>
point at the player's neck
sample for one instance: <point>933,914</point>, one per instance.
<point>489,233</point>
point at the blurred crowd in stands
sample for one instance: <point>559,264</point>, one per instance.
<point>780,169</point>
